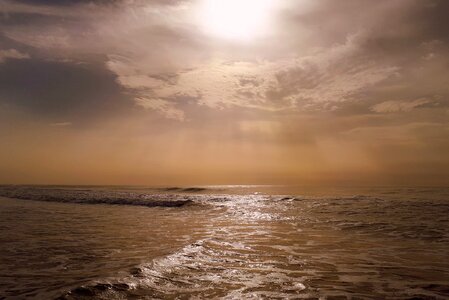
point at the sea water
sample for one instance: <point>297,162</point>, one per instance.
<point>228,242</point>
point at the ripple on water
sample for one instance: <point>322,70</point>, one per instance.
<point>384,245</point>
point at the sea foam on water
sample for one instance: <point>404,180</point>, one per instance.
<point>223,242</point>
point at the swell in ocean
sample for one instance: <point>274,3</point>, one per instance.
<point>388,243</point>
<point>166,197</point>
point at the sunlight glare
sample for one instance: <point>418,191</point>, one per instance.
<point>235,19</point>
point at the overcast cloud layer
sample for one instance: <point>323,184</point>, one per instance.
<point>135,92</point>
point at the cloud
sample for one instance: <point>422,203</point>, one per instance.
<point>12,54</point>
<point>400,106</point>
<point>61,90</point>
<point>328,76</point>
<point>157,52</point>
<point>332,75</point>
<point>163,107</point>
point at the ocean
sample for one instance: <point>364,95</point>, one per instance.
<point>223,242</point>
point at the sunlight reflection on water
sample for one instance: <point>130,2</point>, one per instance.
<point>388,243</point>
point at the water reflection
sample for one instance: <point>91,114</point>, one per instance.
<point>384,244</point>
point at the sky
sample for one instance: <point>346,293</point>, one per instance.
<point>171,92</point>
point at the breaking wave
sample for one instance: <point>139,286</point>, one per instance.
<point>391,244</point>
<point>101,196</point>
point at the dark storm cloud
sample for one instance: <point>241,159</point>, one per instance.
<point>66,2</point>
<point>431,19</point>
<point>60,91</point>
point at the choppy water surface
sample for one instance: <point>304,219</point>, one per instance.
<point>232,242</point>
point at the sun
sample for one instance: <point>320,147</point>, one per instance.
<point>235,19</point>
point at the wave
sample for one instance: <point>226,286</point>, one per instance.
<point>96,197</point>
<point>266,246</point>
<point>208,268</point>
<point>183,190</point>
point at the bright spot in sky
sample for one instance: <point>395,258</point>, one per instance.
<point>235,19</point>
